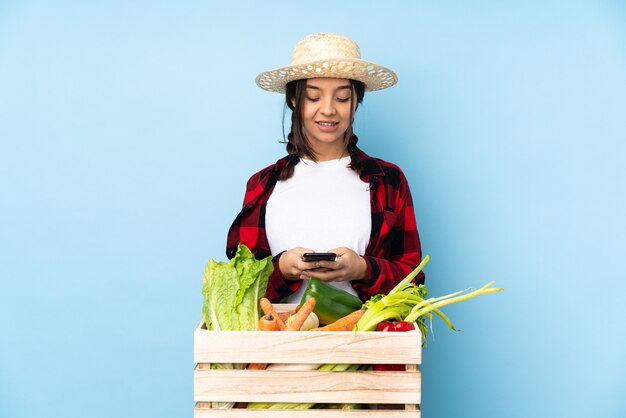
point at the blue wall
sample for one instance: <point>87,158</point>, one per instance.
<point>128,131</point>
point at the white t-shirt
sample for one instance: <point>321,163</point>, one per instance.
<point>324,205</point>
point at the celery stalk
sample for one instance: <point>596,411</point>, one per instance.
<point>407,302</point>
<point>411,275</point>
<point>447,301</point>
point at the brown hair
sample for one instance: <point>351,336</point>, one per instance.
<point>297,144</point>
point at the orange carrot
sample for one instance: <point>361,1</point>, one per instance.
<point>346,323</point>
<point>285,315</point>
<point>257,366</point>
<point>267,307</point>
<point>303,313</point>
<point>268,323</point>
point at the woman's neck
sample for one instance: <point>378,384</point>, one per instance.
<point>330,153</point>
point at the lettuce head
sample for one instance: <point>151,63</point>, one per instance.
<point>232,291</point>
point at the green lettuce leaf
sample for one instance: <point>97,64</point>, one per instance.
<point>232,291</point>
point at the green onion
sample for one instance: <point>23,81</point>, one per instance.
<point>407,302</point>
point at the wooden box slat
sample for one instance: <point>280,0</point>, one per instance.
<point>307,413</point>
<point>307,386</point>
<point>307,347</point>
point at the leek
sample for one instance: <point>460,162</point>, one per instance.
<point>407,302</point>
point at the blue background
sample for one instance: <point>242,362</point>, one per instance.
<point>128,130</point>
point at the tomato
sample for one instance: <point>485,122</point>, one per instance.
<point>386,327</point>
<point>399,326</point>
<point>402,326</point>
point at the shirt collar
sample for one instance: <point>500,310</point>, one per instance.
<point>371,167</point>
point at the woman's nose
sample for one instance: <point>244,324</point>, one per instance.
<point>328,107</point>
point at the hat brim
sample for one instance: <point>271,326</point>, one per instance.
<point>374,76</point>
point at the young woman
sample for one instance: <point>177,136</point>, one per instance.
<point>327,195</point>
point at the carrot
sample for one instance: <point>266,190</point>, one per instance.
<point>257,366</point>
<point>285,315</point>
<point>346,323</point>
<point>267,323</point>
<point>303,313</point>
<point>267,308</point>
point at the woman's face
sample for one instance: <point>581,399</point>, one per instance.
<point>326,114</point>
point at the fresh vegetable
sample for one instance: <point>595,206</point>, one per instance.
<point>345,406</point>
<point>296,321</point>
<point>311,322</point>
<point>284,315</point>
<point>432,304</point>
<point>389,367</point>
<point>346,323</point>
<point>267,308</point>
<point>396,304</point>
<point>407,302</point>
<point>293,367</point>
<point>257,366</point>
<point>268,323</point>
<point>331,303</point>
<point>385,327</point>
<point>232,291</point>
<point>399,326</point>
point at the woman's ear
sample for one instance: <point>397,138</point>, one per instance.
<point>293,102</point>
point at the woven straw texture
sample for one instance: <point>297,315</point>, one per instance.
<point>327,55</point>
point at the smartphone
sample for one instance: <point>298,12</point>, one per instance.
<point>319,256</point>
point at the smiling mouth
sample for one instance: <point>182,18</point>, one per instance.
<point>327,123</point>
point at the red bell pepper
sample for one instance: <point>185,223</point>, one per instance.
<point>399,326</point>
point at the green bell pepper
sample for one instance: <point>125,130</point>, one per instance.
<point>331,303</point>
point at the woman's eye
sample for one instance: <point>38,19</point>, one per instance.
<point>312,99</point>
<point>343,100</point>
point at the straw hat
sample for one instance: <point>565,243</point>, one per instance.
<point>327,55</point>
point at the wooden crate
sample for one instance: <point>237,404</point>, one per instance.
<point>386,394</point>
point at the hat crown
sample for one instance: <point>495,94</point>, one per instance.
<point>324,46</point>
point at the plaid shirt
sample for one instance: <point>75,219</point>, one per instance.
<point>394,247</point>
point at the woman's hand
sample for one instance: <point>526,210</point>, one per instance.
<point>347,267</point>
<point>291,265</point>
